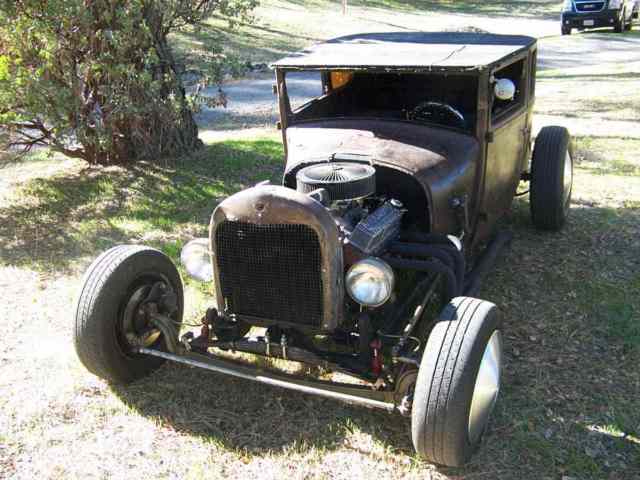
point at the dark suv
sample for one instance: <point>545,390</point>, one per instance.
<point>582,14</point>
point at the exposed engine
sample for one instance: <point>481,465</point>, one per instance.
<point>323,268</point>
<point>368,222</point>
<point>289,260</point>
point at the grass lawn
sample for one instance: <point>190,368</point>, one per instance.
<point>569,302</point>
<point>283,26</point>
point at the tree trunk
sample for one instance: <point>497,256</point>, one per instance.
<point>182,135</point>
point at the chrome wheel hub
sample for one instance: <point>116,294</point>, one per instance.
<point>487,386</point>
<point>134,322</point>
<point>568,177</point>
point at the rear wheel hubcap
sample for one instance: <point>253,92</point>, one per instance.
<point>487,387</point>
<point>568,177</point>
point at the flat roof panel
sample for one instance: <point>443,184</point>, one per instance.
<point>417,50</point>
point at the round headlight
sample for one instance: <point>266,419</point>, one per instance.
<point>370,282</point>
<point>196,259</point>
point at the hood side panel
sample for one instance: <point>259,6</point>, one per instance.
<point>442,161</point>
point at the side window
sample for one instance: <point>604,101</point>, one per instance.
<point>514,77</point>
<point>303,87</point>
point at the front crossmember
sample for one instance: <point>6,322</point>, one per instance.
<point>353,394</point>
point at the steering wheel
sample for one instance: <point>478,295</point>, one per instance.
<point>436,112</point>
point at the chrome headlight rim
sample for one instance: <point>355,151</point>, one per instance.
<point>195,257</point>
<point>383,277</point>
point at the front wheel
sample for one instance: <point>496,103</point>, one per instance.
<point>566,30</point>
<point>458,382</point>
<point>551,178</point>
<point>122,288</point>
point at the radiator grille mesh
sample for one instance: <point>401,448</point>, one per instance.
<point>270,271</point>
<point>590,6</point>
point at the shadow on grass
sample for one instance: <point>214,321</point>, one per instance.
<point>55,220</point>
<point>570,365</point>
<point>254,418</point>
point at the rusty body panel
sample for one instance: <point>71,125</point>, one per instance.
<point>441,160</point>
<point>504,164</point>
<point>274,205</point>
<point>446,163</point>
<point>507,150</point>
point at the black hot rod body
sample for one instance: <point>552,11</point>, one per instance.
<point>366,260</point>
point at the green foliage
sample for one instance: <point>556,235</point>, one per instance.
<point>97,80</point>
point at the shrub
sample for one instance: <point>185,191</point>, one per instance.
<point>97,79</point>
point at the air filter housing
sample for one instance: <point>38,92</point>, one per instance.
<point>342,180</point>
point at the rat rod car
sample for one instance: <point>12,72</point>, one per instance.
<point>366,259</point>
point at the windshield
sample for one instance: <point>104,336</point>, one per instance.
<point>447,100</point>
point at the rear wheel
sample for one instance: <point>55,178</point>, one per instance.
<point>551,178</point>
<point>458,382</point>
<point>121,287</point>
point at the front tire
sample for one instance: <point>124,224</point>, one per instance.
<point>458,382</point>
<point>110,314</point>
<point>566,30</point>
<point>551,178</point>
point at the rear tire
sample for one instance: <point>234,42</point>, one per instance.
<point>619,26</point>
<point>112,294</point>
<point>457,386</point>
<point>551,178</point>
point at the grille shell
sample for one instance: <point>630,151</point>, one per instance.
<point>590,7</point>
<point>271,271</point>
